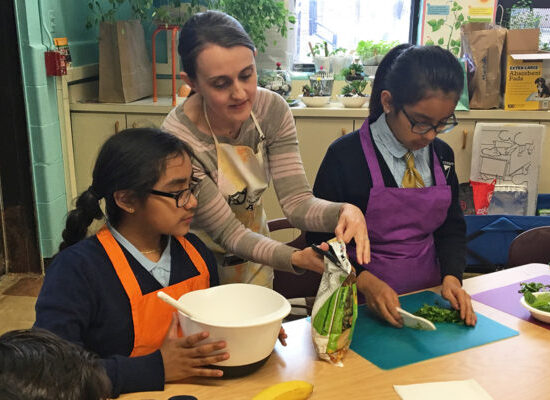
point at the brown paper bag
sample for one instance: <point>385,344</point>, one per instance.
<point>125,72</point>
<point>483,44</point>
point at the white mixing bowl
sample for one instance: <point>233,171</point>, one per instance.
<point>248,317</point>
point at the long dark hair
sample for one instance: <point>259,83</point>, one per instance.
<point>210,27</point>
<point>133,159</point>
<point>408,72</point>
<point>36,364</point>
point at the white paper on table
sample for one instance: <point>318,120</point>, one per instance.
<point>451,390</point>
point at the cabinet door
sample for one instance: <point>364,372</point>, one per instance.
<point>358,123</point>
<point>90,130</point>
<point>460,139</point>
<point>144,120</point>
<point>314,137</point>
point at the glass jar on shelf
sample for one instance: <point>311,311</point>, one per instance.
<point>276,80</point>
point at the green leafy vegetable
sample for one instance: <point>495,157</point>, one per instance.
<point>436,313</point>
<point>540,302</point>
<point>532,287</point>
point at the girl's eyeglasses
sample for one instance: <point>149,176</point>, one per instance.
<point>421,128</point>
<point>182,197</point>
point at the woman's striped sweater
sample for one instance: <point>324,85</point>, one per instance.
<point>213,214</point>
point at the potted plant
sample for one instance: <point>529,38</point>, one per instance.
<point>353,94</point>
<point>276,80</point>
<point>320,54</point>
<point>125,71</point>
<point>257,17</point>
<point>365,50</point>
<point>176,12</point>
<point>313,95</point>
<point>354,72</point>
<point>338,59</point>
<point>383,48</point>
<point>371,53</point>
<point>331,60</point>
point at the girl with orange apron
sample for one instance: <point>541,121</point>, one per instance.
<point>151,316</point>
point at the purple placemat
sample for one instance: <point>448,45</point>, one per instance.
<point>507,298</point>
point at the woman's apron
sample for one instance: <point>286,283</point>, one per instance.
<point>151,316</point>
<point>401,222</point>
<point>242,179</point>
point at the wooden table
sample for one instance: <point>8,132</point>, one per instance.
<point>514,368</point>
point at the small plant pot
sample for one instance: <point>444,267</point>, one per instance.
<point>338,63</point>
<point>370,60</point>
<point>353,101</point>
<point>357,77</point>
<point>322,83</point>
<point>370,70</point>
<point>276,80</point>
<point>321,62</point>
<point>315,101</point>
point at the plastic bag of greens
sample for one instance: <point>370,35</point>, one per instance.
<point>335,309</point>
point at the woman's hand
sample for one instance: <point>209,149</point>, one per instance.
<point>460,300</point>
<point>351,224</point>
<point>183,357</point>
<point>380,298</point>
<point>309,259</point>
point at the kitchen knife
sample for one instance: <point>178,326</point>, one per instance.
<point>414,322</point>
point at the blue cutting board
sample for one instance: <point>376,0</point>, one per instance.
<point>389,347</point>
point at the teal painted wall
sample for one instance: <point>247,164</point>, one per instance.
<point>38,21</point>
<point>43,126</point>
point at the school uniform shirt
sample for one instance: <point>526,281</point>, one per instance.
<point>160,270</point>
<point>393,152</point>
<point>82,300</point>
<point>344,176</point>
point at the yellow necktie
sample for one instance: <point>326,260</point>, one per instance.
<point>412,178</point>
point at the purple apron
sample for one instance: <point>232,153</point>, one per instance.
<point>401,223</point>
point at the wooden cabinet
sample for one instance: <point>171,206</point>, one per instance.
<point>144,120</point>
<point>315,136</point>
<point>316,131</point>
<point>460,139</point>
<point>90,130</point>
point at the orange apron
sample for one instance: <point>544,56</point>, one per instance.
<point>151,316</point>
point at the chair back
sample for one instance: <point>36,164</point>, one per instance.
<point>288,284</point>
<point>532,246</point>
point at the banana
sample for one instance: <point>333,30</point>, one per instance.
<point>291,390</point>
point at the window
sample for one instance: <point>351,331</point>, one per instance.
<point>343,23</point>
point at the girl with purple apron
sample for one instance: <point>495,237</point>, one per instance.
<point>413,99</point>
<point>402,244</point>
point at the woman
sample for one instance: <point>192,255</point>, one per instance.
<point>243,136</point>
<point>101,292</point>
<point>403,179</point>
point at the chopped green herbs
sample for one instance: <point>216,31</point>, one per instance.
<point>540,302</point>
<point>439,314</point>
<point>532,287</point>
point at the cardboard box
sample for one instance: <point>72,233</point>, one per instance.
<point>527,79</point>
